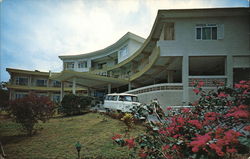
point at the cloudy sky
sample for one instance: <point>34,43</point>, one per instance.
<point>35,32</point>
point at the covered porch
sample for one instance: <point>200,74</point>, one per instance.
<point>90,81</point>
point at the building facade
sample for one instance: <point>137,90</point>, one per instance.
<point>23,82</point>
<point>184,45</point>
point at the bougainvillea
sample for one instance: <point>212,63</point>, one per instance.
<point>216,126</point>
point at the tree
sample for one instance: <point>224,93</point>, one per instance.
<point>31,109</point>
<point>4,96</point>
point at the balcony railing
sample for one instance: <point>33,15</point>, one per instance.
<point>208,80</point>
<point>157,87</point>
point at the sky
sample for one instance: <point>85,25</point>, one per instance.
<point>35,32</point>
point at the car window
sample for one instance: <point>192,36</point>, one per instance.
<point>115,98</point>
<point>106,98</point>
<point>121,98</point>
<point>135,99</point>
<point>109,97</point>
<point>128,98</point>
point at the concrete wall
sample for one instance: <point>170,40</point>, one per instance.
<point>132,47</point>
<point>235,41</point>
<point>165,97</point>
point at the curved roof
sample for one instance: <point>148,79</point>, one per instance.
<point>114,46</point>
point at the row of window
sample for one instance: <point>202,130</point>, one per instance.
<point>39,82</point>
<point>81,64</point>
<point>55,97</point>
<point>121,98</point>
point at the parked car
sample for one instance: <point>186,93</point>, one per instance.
<point>120,102</point>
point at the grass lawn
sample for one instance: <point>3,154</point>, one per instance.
<point>58,137</point>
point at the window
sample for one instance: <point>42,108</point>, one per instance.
<point>56,98</point>
<point>101,65</point>
<point>41,82</point>
<point>20,95</point>
<point>82,64</point>
<point>69,65</point>
<point>169,31</point>
<point>123,51</point>
<point>22,81</point>
<point>56,84</point>
<point>206,32</point>
<point>115,98</point>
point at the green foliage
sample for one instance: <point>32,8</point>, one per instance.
<point>74,105</point>
<point>216,126</point>
<point>31,109</point>
<point>4,96</point>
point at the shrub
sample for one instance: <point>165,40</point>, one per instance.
<point>31,109</point>
<point>128,120</point>
<point>74,105</point>
<point>217,126</point>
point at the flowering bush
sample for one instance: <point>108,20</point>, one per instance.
<point>216,126</point>
<point>28,111</point>
<point>128,120</point>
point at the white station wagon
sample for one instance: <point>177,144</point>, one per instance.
<point>120,102</point>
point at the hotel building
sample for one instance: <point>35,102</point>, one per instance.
<point>183,45</point>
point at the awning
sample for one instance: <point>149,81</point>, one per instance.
<point>89,80</point>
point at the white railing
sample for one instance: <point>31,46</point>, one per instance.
<point>157,87</point>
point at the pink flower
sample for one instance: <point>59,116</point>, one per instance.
<point>196,91</point>
<point>130,143</point>
<point>201,83</point>
<point>237,85</point>
<point>117,136</point>
<point>231,150</point>
<point>245,92</point>
<point>242,82</point>
<point>200,142</point>
<point>238,114</point>
<point>169,108</point>
<point>217,149</point>
<point>162,132</point>
<point>222,95</point>
<point>165,147</point>
<point>196,123</point>
<point>247,128</point>
<point>185,110</point>
<point>211,116</point>
<point>181,120</point>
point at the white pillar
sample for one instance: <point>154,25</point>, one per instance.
<point>89,92</point>
<point>129,86</point>
<point>185,74</point>
<point>74,86</point>
<point>170,76</point>
<point>62,91</point>
<point>229,70</point>
<point>109,88</point>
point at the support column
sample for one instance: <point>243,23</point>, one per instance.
<point>62,91</point>
<point>89,92</point>
<point>109,88</point>
<point>129,86</point>
<point>74,86</point>
<point>185,74</point>
<point>170,77</point>
<point>229,70</point>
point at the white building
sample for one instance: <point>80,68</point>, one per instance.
<point>183,45</point>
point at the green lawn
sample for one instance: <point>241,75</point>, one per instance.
<point>58,137</point>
